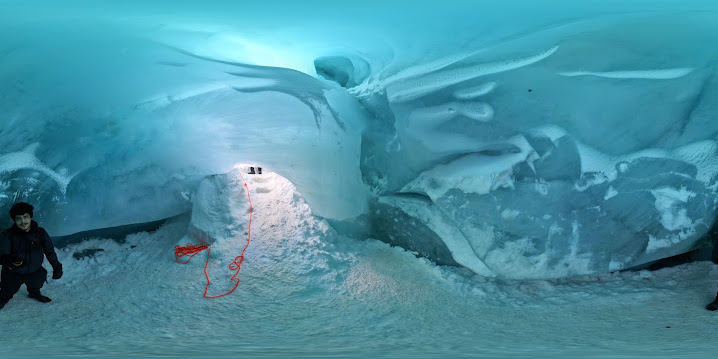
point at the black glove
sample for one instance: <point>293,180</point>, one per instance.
<point>57,271</point>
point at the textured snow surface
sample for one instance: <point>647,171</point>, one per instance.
<point>307,292</point>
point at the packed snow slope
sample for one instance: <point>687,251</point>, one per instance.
<point>306,291</point>
<point>516,139</point>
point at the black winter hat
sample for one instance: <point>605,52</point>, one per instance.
<point>20,208</point>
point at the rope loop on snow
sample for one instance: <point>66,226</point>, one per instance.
<point>188,250</point>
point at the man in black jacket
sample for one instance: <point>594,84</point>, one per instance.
<point>23,248</point>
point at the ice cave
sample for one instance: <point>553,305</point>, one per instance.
<point>400,179</point>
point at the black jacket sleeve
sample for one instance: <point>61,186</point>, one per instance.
<point>48,247</point>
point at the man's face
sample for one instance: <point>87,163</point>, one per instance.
<point>23,221</point>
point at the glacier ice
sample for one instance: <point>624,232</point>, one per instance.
<point>518,142</point>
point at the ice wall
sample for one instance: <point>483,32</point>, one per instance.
<point>583,148</point>
<point>105,128</point>
<point>523,140</point>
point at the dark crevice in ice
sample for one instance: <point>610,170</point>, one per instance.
<point>117,234</point>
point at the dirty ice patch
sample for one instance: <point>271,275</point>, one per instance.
<point>671,206</point>
<point>520,256</point>
<point>531,260</point>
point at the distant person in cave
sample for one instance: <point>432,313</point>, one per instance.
<point>23,248</point>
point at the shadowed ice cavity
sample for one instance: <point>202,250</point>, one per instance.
<point>344,70</point>
<point>568,148</point>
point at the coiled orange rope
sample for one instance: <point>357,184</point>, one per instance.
<point>188,250</point>
<point>236,265</point>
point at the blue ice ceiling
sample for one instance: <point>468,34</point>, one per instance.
<point>517,139</point>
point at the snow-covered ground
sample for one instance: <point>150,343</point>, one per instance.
<point>307,292</point>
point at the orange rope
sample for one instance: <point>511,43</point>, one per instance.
<point>236,264</point>
<point>189,250</point>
